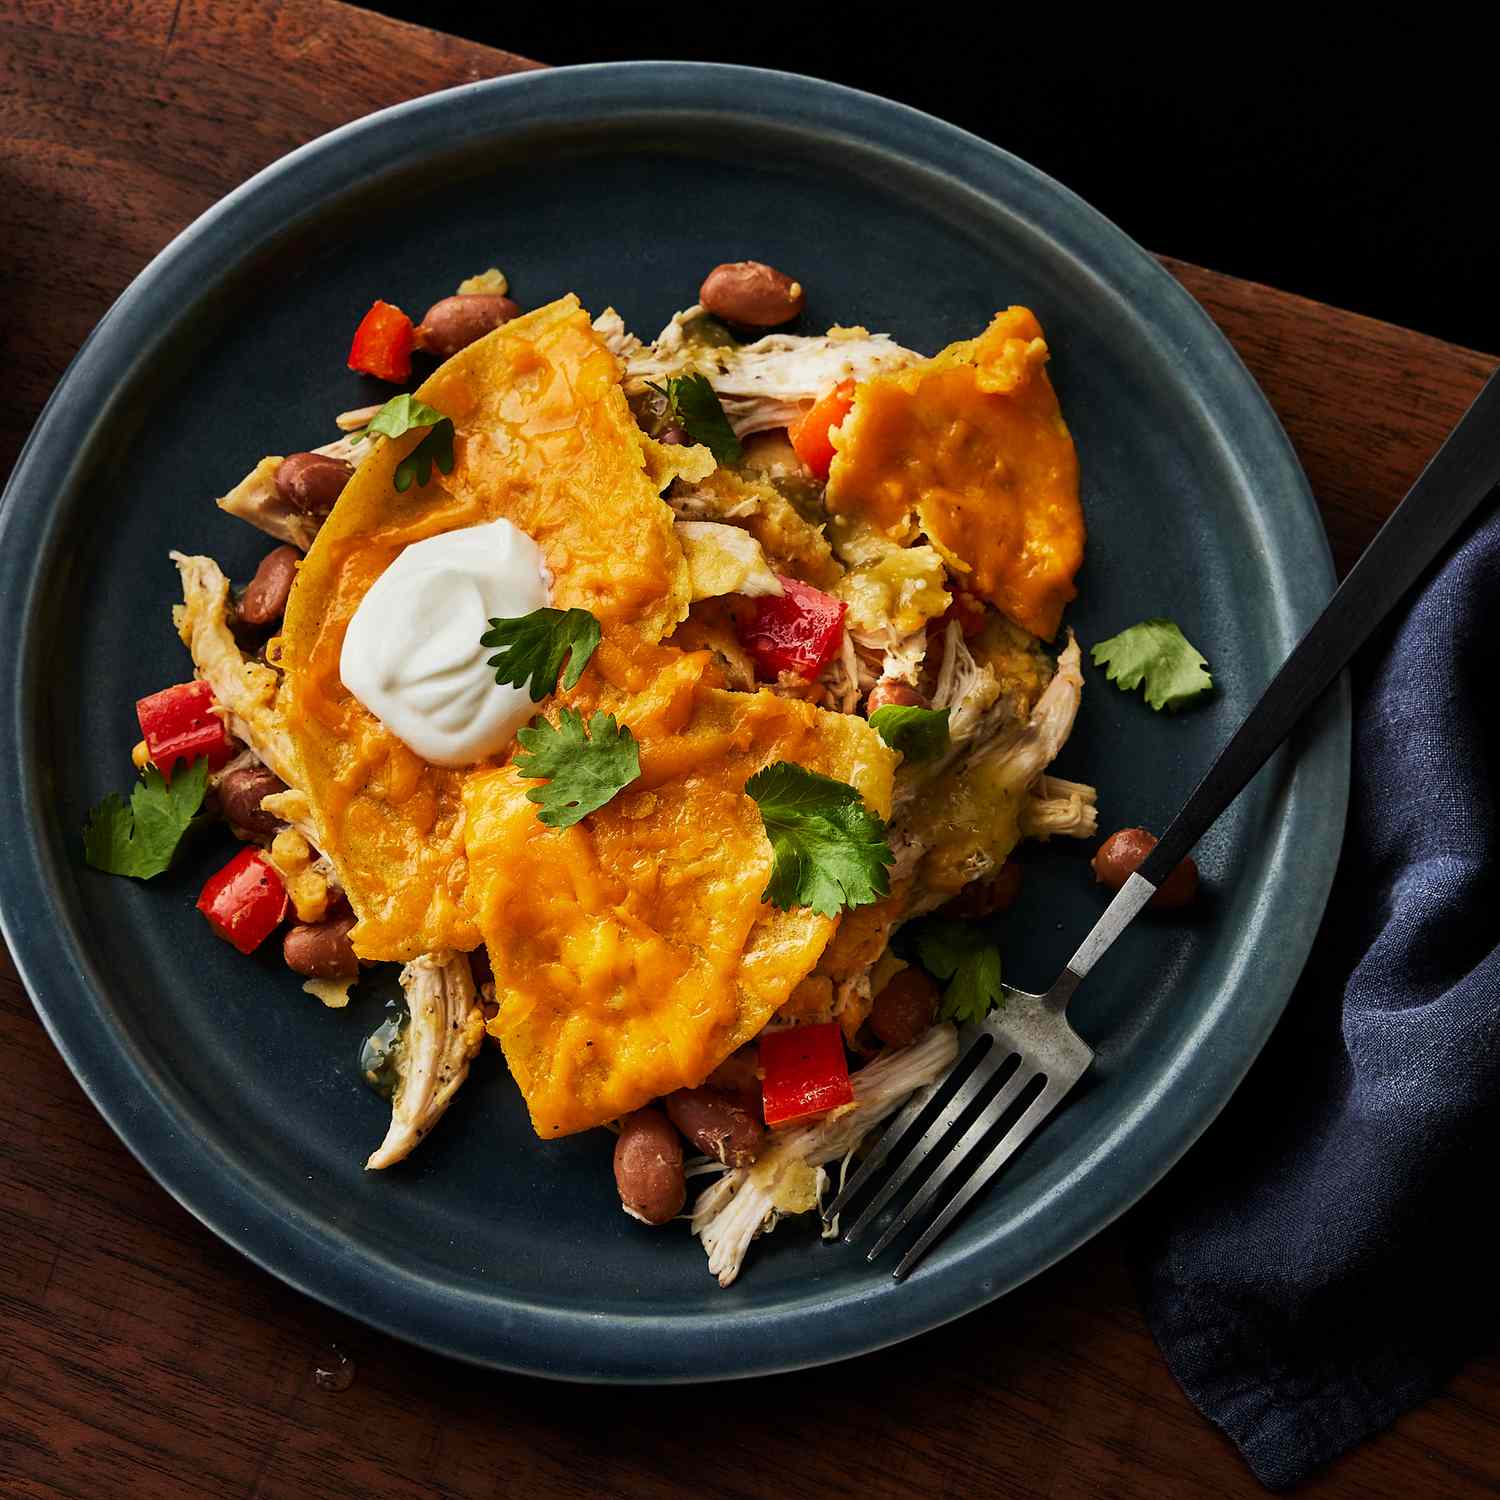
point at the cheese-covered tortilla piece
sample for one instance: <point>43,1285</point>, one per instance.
<point>632,952</point>
<point>971,448</point>
<point>543,439</point>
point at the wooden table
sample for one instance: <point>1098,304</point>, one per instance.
<point>142,1357</point>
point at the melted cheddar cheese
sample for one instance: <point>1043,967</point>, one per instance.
<point>545,440</point>
<point>632,952</point>
<point>970,448</point>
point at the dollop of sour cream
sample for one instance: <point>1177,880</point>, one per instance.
<point>412,654</point>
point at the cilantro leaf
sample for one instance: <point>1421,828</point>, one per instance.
<point>829,850</point>
<point>436,447</point>
<point>963,954</point>
<point>533,646</point>
<point>140,839</point>
<point>403,414</point>
<point>582,771</point>
<point>1156,653</point>
<point>692,404</point>
<point>918,733</point>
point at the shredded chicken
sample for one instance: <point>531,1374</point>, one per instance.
<point>842,678</point>
<point>256,499</point>
<point>748,1201</point>
<point>352,421</point>
<point>698,505</point>
<point>976,713</point>
<point>984,730</point>
<point>246,690</point>
<point>868,661</point>
<point>349,448</point>
<point>852,999</point>
<point>1031,749</point>
<point>901,656</point>
<point>620,342</point>
<point>761,385</point>
<point>1055,806</point>
<point>441,1039</point>
<point>831,1228</point>
<point>963,687</point>
<point>1014,758</point>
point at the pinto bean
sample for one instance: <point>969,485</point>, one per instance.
<point>312,481</point>
<point>751,294</point>
<point>904,1009</point>
<point>265,596</point>
<point>648,1167</point>
<point>674,436</point>
<point>240,794</point>
<point>455,322</point>
<point>738,1076</point>
<point>321,950</point>
<point>891,693</point>
<point>1179,888</point>
<point>1116,859</point>
<point>716,1125</point>
<point>985,897</point>
<point>1121,854</point>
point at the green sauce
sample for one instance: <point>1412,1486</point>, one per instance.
<point>711,333</point>
<point>804,494</point>
<point>380,1054</point>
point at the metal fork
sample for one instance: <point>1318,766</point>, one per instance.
<point>1033,1030</point>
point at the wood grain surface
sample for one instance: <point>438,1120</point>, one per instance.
<point>141,1357</point>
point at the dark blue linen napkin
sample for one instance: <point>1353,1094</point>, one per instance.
<point>1321,1260</point>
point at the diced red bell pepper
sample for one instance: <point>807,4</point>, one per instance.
<point>179,723</point>
<point>245,901</point>
<point>805,1072</point>
<point>383,343</point>
<point>809,433</point>
<point>799,632</point>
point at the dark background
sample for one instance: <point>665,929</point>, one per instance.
<point>1359,172</point>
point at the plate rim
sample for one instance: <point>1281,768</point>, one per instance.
<point>558,1344</point>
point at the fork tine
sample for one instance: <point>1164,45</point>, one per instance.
<point>882,1148</point>
<point>956,1154</point>
<point>950,1114</point>
<point>1003,1150</point>
<point>892,1135</point>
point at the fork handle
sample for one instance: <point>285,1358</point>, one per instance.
<point>1456,481</point>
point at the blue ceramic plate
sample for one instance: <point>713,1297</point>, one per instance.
<point>625,184</point>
